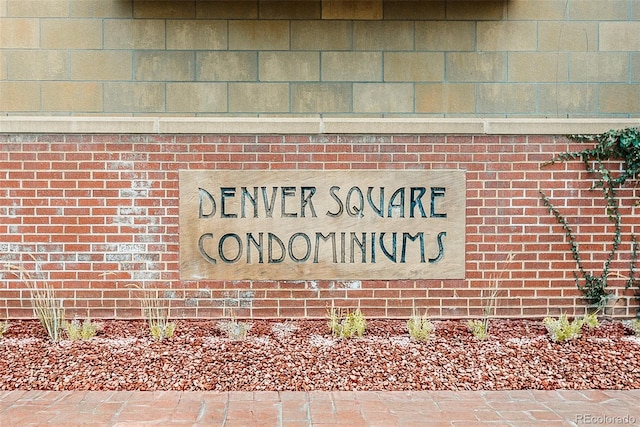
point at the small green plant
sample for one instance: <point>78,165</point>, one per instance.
<point>234,330</point>
<point>4,327</point>
<point>590,320</point>
<point>420,327</point>
<point>479,328</point>
<point>157,312</point>
<point>634,325</point>
<point>346,324</point>
<point>561,329</point>
<point>77,330</point>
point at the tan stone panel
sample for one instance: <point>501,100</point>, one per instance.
<point>276,9</point>
<point>21,65</point>
<point>321,35</point>
<point>259,35</point>
<point>445,98</point>
<point>567,36</point>
<point>598,10</point>
<point>185,34</point>
<point>304,225</point>
<point>227,9</point>
<point>127,97</point>
<point>134,34</point>
<point>19,96</point>
<point>164,9</point>
<point>545,10</point>
<point>506,98</point>
<point>164,66</point>
<point>20,33</point>
<point>351,9</point>
<point>71,96</point>
<point>412,10</point>
<point>38,8</point>
<point>3,8</point>
<point>620,36</point>
<point>101,65</point>
<point>620,98</point>
<point>320,97</point>
<point>476,67</point>
<point>383,35</point>
<point>635,67</point>
<point>101,9</point>
<point>71,33</point>
<point>196,97</point>
<point>538,66</point>
<point>351,66</point>
<point>226,66</point>
<point>382,98</point>
<point>413,66</point>
<point>446,35</point>
<point>568,100</point>
<point>258,97</point>
<point>595,67</point>
<point>475,10</point>
<point>507,36</point>
<point>3,65</point>
<point>289,66</point>
<point>635,10</point>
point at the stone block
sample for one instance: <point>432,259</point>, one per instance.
<point>101,65</point>
<point>226,9</point>
<point>413,66</point>
<point>164,9</point>
<point>321,35</point>
<point>567,100</point>
<point>20,96</point>
<point>382,97</point>
<point>351,66</point>
<point>134,34</point>
<point>598,10</point>
<point>100,9</point>
<point>320,97</point>
<point>276,9</point>
<point>567,36</point>
<point>507,35</point>
<point>3,8</point>
<point>620,98</point>
<point>414,10</point>
<point>383,35</point>
<point>72,97</point>
<point>446,35</point>
<point>128,97</point>
<point>196,97</point>
<point>505,98</point>
<point>475,10</point>
<point>259,35</point>
<point>258,97</point>
<point>352,9</point>
<point>3,65</point>
<point>546,10</point>
<point>620,36</point>
<point>476,66</point>
<point>635,67</point>
<point>20,65</point>
<point>38,8</point>
<point>538,66</point>
<point>635,10</point>
<point>19,33</point>
<point>187,34</point>
<point>164,66</point>
<point>71,33</point>
<point>445,98</point>
<point>596,67</point>
<point>226,66</point>
<point>289,66</point>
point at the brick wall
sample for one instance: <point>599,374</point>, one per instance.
<point>551,58</point>
<point>100,211</point>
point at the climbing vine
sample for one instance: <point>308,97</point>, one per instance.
<point>623,147</point>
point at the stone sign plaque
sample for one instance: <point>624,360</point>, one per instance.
<point>318,224</point>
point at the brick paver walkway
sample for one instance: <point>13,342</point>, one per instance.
<point>441,408</point>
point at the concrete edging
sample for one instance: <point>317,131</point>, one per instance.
<point>300,126</point>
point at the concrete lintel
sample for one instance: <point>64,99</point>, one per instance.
<point>239,125</point>
<point>555,126</point>
<point>85,125</point>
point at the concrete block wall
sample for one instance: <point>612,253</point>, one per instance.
<point>100,211</point>
<point>506,58</point>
